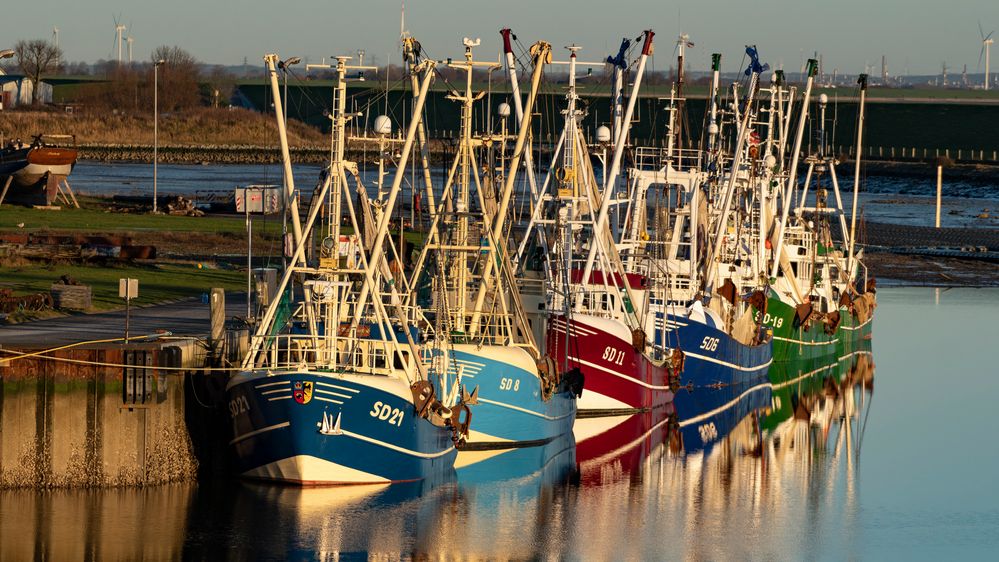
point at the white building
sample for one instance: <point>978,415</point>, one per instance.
<point>15,89</point>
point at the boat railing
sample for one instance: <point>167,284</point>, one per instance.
<point>339,353</point>
<point>657,158</point>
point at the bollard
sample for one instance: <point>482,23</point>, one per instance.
<point>217,315</point>
<point>939,190</point>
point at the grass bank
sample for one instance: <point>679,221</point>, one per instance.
<point>195,127</point>
<point>157,283</point>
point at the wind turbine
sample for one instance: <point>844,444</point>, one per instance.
<point>129,40</point>
<point>987,41</point>
<point>119,29</point>
<point>55,39</point>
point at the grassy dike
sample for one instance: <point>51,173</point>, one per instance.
<point>195,127</point>
<point>187,248</point>
<point>160,280</point>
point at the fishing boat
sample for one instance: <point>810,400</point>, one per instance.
<point>583,304</point>
<point>476,323</point>
<point>37,170</point>
<point>822,300</point>
<point>705,289</point>
<point>333,389</point>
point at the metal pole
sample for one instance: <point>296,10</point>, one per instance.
<point>608,193</point>
<point>518,107</point>
<point>128,307</point>
<point>862,81</point>
<point>249,255</point>
<point>732,178</point>
<point>156,126</point>
<point>284,192</point>
<point>270,60</point>
<point>939,191</point>
<point>791,185</point>
<point>542,54</point>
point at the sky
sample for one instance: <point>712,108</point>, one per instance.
<point>916,36</point>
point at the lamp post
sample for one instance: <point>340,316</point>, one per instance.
<point>284,65</point>
<point>156,125</point>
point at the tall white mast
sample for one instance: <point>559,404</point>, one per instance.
<point>608,192</point>
<point>511,68</point>
<point>790,186</point>
<point>617,106</point>
<point>862,81</point>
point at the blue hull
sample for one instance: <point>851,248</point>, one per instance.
<point>371,434</point>
<point>713,357</point>
<point>706,416</point>
<point>511,410</point>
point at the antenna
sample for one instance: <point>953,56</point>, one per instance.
<point>402,21</point>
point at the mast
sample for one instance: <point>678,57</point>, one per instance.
<point>377,249</point>
<point>862,81</point>
<point>608,195</point>
<point>790,185</point>
<point>411,51</point>
<point>541,52</point>
<point>511,69</point>
<point>619,63</point>
<point>744,128</point>
<point>713,123</point>
<point>271,61</point>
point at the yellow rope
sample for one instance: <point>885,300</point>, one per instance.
<point>102,364</point>
<point>67,346</point>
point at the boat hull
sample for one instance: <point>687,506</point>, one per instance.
<point>795,343</point>
<point>711,356</point>
<point>36,173</point>
<point>618,378</point>
<point>511,410</point>
<point>308,428</point>
<point>813,343</point>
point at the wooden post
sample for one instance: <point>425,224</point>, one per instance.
<point>939,190</point>
<point>5,186</point>
<point>217,312</point>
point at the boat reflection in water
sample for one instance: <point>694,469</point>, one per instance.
<point>776,462</point>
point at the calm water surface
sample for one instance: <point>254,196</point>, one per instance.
<point>827,462</point>
<point>886,199</point>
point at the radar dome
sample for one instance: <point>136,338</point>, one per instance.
<point>383,125</point>
<point>603,133</point>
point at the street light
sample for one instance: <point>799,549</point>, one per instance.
<point>156,124</point>
<point>284,65</point>
<point>6,53</point>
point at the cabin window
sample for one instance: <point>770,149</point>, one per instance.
<point>401,360</point>
<point>378,360</point>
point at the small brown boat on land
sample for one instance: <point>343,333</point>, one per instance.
<point>32,173</point>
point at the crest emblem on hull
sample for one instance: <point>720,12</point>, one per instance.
<point>302,392</point>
